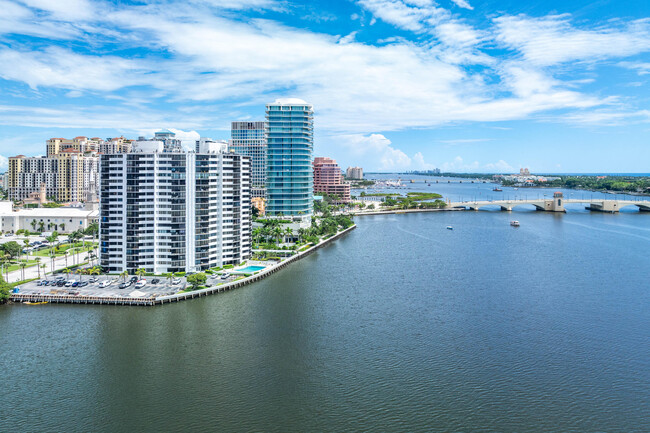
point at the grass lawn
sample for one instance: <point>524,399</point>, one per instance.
<point>18,266</point>
<point>45,252</point>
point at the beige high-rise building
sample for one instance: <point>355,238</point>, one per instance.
<point>69,171</point>
<point>115,145</point>
<point>81,144</point>
<point>355,173</point>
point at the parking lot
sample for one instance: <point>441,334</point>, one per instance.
<point>113,286</point>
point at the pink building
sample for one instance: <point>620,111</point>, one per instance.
<point>329,180</point>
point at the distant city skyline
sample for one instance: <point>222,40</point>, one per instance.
<point>396,85</point>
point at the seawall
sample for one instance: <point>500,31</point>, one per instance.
<point>105,300</point>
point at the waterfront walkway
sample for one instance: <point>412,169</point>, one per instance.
<point>106,300</point>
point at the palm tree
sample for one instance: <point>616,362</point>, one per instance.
<point>94,271</point>
<point>26,244</point>
<point>67,271</point>
<point>52,256</point>
<point>41,226</point>
<point>124,274</point>
<point>288,232</point>
<point>168,276</point>
<point>65,253</point>
<point>140,272</point>
<point>81,272</point>
<point>43,266</point>
<point>38,264</point>
<point>23,263</point>
<point>33,223</point>
<point>277,233</point>
<point>62,226</point>
<point>6,259</point>
<point>257,232</point>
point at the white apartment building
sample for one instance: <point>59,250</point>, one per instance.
<point>354,173</point>
<point>174,211</point>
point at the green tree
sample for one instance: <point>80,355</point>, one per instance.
<point>33,223</point>
<point>25,244</point>
<point>124,274</point>
<point>197,280</point>
<point>140,272</point>
<point>6,260</point>
<point>92,230</point>
<point>38,265</point>
<point>62,227</point>
<point>278,233</point>
<point>67,271</point>
<point>12,248</point>
<point>41,226</point>
<point>5,291</point>
<point>168,276</point>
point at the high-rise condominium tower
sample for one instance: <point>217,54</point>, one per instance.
<point>174,211</point>
<point>289,174</point>
<point>249,139</point>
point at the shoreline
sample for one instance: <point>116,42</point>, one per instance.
<point>160,300</point>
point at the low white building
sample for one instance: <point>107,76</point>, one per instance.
<point>61,219</point>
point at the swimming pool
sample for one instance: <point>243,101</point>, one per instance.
<point>250,269</point>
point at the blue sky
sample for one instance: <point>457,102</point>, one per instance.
<point>463,85</point>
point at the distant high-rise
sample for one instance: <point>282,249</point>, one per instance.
<point>328,179</point>
<point>169,140</point>
<point>354,173</point>
<point>69,171</point>
<point>289,173</point>
<point>249,139</point>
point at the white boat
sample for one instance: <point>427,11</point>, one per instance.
<point>450,228</point>
<point>514,223</point>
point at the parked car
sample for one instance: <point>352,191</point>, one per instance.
<point>93,279</point>
<point>141,283</point>
<point>176,281</point>
<point>8,234</point>
<point>40,283</point>
<point>60,283</point>
<point>155,281</point>
<point>105,283</point>
<point>134,279</point>
<point>83,284</point>
<point>70,283</point>
<point>225,276</point>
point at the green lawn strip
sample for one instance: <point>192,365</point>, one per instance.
<point>423,195</point>
<point>78,248</point>
<point>18,266</point>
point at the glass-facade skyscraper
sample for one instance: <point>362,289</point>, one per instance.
<point>289,173</point>
<point>249,139</point>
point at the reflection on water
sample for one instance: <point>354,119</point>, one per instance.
<point>402,326</point>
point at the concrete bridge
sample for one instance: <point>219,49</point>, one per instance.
<point>555,204</point>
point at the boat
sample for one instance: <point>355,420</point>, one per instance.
<point>514,223</point>
<point>428,184</point>
<point>450,228</point>
<point>35,303</point>
<point>496,188</point>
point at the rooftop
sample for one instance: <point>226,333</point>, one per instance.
<point>289,101</point>
<point>55,212</point>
